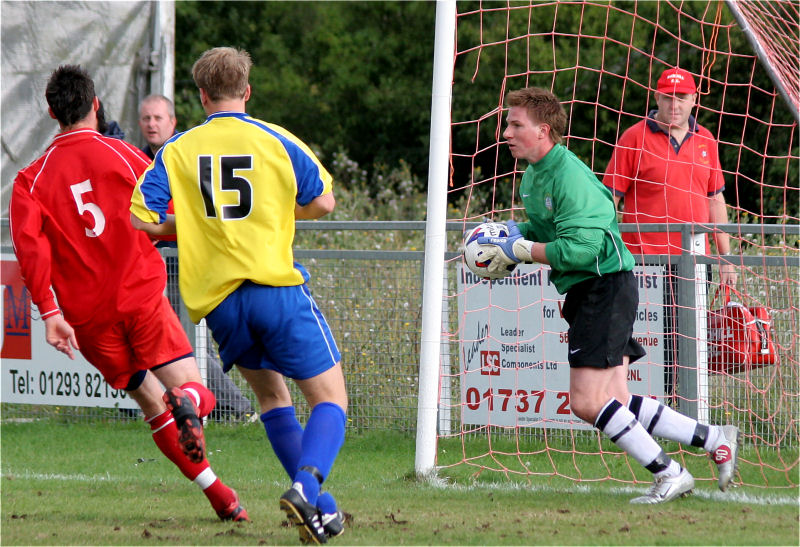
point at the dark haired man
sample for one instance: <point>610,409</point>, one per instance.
<point>80,257</point>
<point>105,127</point>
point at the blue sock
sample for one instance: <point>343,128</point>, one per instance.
<point>322,439</point>
<point>285,435</point>
<point>326,504</point>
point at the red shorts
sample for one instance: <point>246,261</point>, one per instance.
<point>138,342</point>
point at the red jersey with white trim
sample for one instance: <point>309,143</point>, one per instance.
<point>662,181</point>
<point>71,230</point>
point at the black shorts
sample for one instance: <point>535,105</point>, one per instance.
<point>600,312</point>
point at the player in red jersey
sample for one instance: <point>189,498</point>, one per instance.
<point>80,257</point>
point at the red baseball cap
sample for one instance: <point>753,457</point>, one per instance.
<point>676,80</point>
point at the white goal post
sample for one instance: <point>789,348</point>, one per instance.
<point>435,232</point>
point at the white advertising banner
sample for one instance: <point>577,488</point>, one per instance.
<point>33,372</point>
<point>514,348</point>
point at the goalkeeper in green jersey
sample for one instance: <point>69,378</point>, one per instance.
<point>572,226</point>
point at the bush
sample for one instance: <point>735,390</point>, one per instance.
<point>386,194</point>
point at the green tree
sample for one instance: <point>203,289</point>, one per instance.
<point>340,75</point>
<point>356,77</point>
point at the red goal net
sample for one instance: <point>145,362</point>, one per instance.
<point>504,395</point>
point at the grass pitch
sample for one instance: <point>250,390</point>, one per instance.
<point>107,483</point>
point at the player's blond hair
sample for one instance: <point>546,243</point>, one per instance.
<point>223,72</point>
<point>542,107</point>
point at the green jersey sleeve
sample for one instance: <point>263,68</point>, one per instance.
<point>525,230</point>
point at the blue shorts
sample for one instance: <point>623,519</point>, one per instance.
<point>276,328</point>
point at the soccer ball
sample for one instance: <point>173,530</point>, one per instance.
<point>474,252</point>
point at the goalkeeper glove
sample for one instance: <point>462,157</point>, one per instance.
<point>507,250</point>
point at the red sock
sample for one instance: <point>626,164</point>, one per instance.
<point>206,397</point>
<point>165,435</point>
<point>220,496</point>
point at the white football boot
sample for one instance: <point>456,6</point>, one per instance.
<point>726,456</point>
<point>665,489</point>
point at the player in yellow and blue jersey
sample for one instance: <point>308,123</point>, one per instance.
<point>238,184</point>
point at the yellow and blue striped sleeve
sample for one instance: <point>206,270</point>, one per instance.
<point>151,195</point>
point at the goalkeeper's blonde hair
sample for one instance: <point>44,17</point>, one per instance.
<point>223,72</point>
<point>542,107</point>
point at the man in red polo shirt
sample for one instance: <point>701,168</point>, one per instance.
<point>666,169</point>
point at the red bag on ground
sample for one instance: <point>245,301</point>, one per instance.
<point>739,337</point>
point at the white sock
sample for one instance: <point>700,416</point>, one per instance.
<point>205,479</point>
<point>661,421</point>
<point>625,431</point>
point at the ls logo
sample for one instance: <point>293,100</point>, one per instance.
<point>490,363</point>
